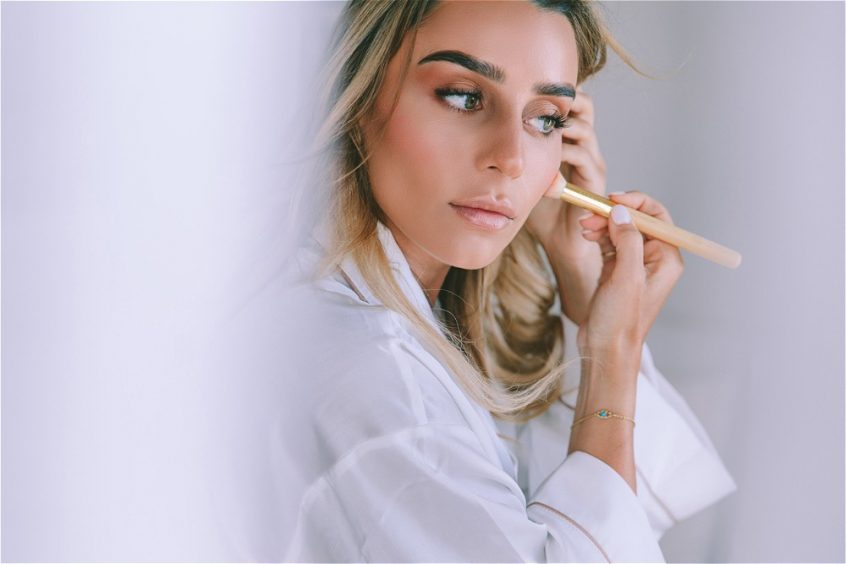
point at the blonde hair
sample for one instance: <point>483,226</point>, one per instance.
<point>502,343</point>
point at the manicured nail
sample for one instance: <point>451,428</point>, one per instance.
<point>620,215</point>
<point>585,216</point>
<point>615,193</point>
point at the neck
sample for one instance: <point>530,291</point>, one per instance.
<point>429,272</point>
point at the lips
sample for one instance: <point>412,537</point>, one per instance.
<point>487,220</point>
<point>502,207</point>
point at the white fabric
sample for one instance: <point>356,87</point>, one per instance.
<point>393,462</point>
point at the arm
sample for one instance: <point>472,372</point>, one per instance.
<point>678,471</point>
<point>605,384</point>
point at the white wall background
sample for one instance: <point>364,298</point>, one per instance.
<point>742,137</point>
<point>145,151</point>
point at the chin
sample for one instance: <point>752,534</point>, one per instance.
<point>473,254</point>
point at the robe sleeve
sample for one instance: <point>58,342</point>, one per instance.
<point>679,472</point>
<point>429,494</point>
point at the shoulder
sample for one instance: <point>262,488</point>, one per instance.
<point>338,370</point>
<point>370,378</point>
<point>353,373</point>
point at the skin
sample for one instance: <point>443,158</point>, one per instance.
<point>430,155</point>
<point>425,154</point>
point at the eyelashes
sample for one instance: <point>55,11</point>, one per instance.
<point>559,121</point>
<point>445,93</point>
<point>556,120</point>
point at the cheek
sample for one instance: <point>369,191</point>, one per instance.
<point>545,166</point>
<point>413,160</point>
<point>414,141</point>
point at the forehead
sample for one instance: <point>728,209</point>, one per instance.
<point>527,42</point>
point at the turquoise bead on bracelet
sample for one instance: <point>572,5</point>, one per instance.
<point>602,414</point>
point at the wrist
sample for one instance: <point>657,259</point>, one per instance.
<point>608,381</point>
<point>606,385</point>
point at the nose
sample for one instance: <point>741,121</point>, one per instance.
<point>504,149</point>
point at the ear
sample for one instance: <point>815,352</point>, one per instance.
<point>369,129</point>
<point>366,125</point>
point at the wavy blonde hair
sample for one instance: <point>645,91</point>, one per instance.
<point>502,342</point>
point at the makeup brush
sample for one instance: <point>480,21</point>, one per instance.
<point>652,226</point>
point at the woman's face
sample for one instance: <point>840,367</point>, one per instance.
<point>474,127</point>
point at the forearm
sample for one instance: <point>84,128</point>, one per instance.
<point>608,382</point>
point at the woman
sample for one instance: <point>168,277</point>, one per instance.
<point>427,419</point>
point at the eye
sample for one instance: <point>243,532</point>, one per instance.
<point>552,122</point>
<point>461,100</point>
<point>466,101</point>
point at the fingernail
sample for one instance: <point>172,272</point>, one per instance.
<point>620,215</point>
<point>615,193</point>
<point>585,216</point>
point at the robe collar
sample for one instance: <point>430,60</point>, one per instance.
<point>399,267</point>
<point>412,289</point>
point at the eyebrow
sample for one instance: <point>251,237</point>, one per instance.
<point>496,74</point>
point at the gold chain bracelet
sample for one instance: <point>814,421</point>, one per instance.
<point>602,414</point>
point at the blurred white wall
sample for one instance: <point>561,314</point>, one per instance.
<point>742,137</point>
<point>146,153</point>
<point>145,147</point>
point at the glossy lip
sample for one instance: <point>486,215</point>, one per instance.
<point>483,219</point>
<point>502,207</point>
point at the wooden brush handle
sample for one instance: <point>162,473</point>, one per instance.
<point>649,225</point>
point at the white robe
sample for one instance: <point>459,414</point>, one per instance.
<point>387,459</point>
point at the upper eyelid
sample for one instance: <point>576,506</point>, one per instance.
<point>482,84</point>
